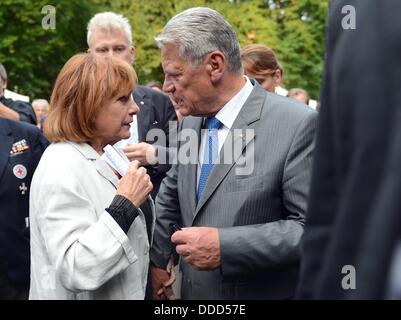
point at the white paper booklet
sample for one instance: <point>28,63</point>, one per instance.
<point>116,159</point>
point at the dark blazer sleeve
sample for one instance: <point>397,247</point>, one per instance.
<point>38,142</point>
<point>160,115</point>
<point>26,113</point>
<point>167,152</point>
<point>24,109</point>
<point>168,204</point>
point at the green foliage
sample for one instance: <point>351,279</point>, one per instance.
<point>33,56</point>
<point>301,26</point>
<point>148,18</point>
<point>295,29</point>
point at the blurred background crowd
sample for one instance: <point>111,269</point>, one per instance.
<point>33,55</point>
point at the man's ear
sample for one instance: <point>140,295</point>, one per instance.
<point>215,65</point>
<point>133,54</point>
<point>278,77</point>
<point>88,51</point>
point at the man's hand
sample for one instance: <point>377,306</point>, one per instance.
<point>162,281</point>
<point>199,246</point>
<point>143,152</point>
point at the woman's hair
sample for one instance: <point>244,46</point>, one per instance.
<point>82,87</point>
<point>260,60</point>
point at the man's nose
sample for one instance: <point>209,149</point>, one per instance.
<point>168,86</point>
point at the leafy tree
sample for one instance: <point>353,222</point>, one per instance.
<point>295,29</point>
<point>33,55</point>
<point>301,27</point>
<point>148,18</point>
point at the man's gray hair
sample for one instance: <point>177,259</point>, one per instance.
<point>38,102</point>
<point>3,73</point>
<point>109,22</point>
<point>198,31</point>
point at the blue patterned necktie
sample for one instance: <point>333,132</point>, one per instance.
<point>210,154</point>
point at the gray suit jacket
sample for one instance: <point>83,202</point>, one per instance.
<point>260,215</point>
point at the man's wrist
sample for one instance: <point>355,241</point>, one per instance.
<point>153,155</point>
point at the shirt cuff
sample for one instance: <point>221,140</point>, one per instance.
<point>123,212</point>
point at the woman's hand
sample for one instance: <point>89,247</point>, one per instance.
<point>135,185</point>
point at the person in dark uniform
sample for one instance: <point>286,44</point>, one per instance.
<point>21,147</point>
<point>14,110</point>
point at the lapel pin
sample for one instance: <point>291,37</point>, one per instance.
<point>20,171</point>
<point>19,147</point>
<point>23,188</point>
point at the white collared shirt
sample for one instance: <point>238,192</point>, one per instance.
<point>226,116</point>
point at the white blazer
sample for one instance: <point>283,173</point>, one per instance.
<point>78,251</point>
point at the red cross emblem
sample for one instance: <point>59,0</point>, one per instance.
<point>20,171</point>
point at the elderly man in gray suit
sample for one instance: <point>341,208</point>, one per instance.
<point>241,220</point>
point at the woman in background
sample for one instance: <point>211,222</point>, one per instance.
<point>260,62</point>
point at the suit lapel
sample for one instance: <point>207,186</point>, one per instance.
<point>101,166</point>
<point>105,171</point>
<point>250,112</point>
<point>144,115</point>
<point>193,123</point>
<point>6,142</point>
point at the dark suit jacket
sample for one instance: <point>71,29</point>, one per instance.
<point>14,202</point>
<point>259,213</point>
<point>24,109</point>
<point>354,215</point>
<point>156,111</point>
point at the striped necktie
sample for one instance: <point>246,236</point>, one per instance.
<point>210,154</point>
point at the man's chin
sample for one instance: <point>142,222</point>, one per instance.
<point>183,111</point>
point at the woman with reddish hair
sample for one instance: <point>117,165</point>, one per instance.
<point>89,234</point>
